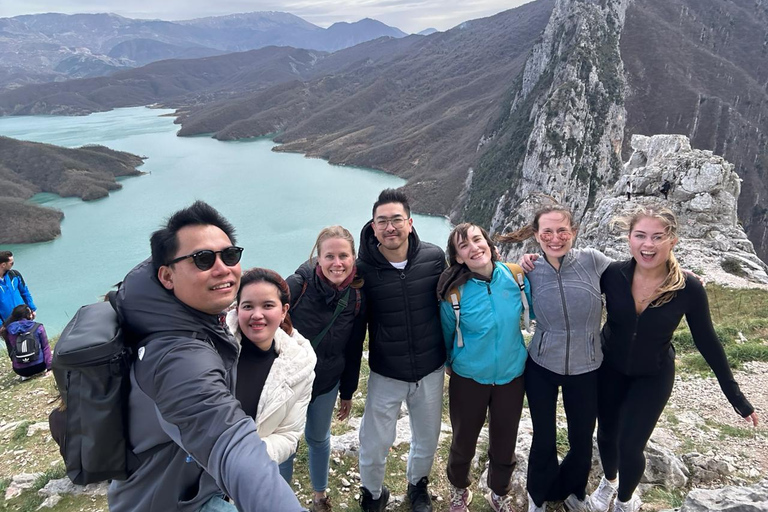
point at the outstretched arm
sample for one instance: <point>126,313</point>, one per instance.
<point>700,323</point>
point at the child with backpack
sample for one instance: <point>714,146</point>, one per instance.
<point>27,343</point>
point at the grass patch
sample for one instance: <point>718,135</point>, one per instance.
<point>20,432</point>
<point>729,431</point>
<point>670,498</point>
<point>737,356</point>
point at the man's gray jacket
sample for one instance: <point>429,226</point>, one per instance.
<point>184,422</point>
<point>568,307</point>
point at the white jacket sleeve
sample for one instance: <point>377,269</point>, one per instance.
<point>284,440</point>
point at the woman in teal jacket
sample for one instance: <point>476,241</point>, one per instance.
<point>486,360</point>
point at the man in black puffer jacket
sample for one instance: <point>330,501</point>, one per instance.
<point>407,351</point>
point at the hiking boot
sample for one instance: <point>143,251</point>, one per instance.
<point>574,504</point>
<point>460,499</point>
<point>419,496</point>
<point>633,505</point>
<point>322,505</point>
<point>500,503</point>
<point>533,507</point>
<point>368,504</point>
<point>600,500</point>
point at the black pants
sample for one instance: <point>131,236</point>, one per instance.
<point>548,480</point>
<point>628,410</point>
<point>469,403</point>
<point>29,371</point>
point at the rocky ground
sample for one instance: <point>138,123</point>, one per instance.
<point>700,443</point>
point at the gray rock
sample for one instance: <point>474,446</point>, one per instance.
<point>706,469</point>
<point>753,498</point>
<point>663,467</point>
<point>50,502</point>
<point>704,196</point>
<point>65,486</point>
<point>571,150</point>
<point>20,483</point>
<point>34,428</point>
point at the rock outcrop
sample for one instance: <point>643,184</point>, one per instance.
<point>562,136</point>
<point>704,192</point>
<point>728,499</point>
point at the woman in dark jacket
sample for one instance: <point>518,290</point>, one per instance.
<point>328,308</point>
<point>646,297</point>
<point>20,321</point>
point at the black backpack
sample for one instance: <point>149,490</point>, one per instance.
<point>91,364</point>
<point>27,348</point>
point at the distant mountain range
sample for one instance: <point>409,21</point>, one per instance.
<point>53,47</point>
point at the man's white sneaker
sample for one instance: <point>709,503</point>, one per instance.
<point>574,504</point>
<point>600,500</point>
<point>633,505</point>
<point>532,507</point>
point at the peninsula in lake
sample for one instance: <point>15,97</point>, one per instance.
<point>27,168</point>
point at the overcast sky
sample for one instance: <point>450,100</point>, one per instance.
<point>407,15</point>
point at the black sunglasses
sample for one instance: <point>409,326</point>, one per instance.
<point>205,259</point>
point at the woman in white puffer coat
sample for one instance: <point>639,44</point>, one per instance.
<point>275,370</point>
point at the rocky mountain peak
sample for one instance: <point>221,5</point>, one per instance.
<point>703,192</point>
<point>563,132</point>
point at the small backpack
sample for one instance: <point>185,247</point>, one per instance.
<point>27,348</point>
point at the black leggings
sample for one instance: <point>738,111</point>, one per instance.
<point>628,410</point>
<point>548,481</point>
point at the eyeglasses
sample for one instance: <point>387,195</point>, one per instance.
<point>397,222</point>
<point>205,259</point>
<point>548,236</point>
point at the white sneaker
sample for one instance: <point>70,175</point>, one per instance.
<point>574,504</point>
<point>532,507</point>
<point>600,500</point>
<point>633,505</point>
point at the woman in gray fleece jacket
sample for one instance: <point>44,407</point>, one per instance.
<point>564,353</point>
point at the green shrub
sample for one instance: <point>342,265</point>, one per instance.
<point>733,266</point>
<point>737,355</point>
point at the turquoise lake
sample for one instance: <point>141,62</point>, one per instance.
<point>278,202</point>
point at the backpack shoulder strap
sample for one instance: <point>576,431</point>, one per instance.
<point>16,273</point>
<point>358,301</point>
<point>519,276</point>
<point>455,296</point>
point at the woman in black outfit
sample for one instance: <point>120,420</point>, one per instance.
<point>328,307</point>
<point>646,297</point>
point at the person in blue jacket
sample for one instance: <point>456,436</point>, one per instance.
<point>486,360</point>
<point>13,289</point>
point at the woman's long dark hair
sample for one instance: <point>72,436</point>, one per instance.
<point>265,275</point>
<point>21,312</point>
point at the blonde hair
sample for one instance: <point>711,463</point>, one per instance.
<point>531,229</point>
<point>332,232</point>
<point>675,279</point>
<point>328,233</point>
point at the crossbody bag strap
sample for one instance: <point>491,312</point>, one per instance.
<point>339,308</point>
